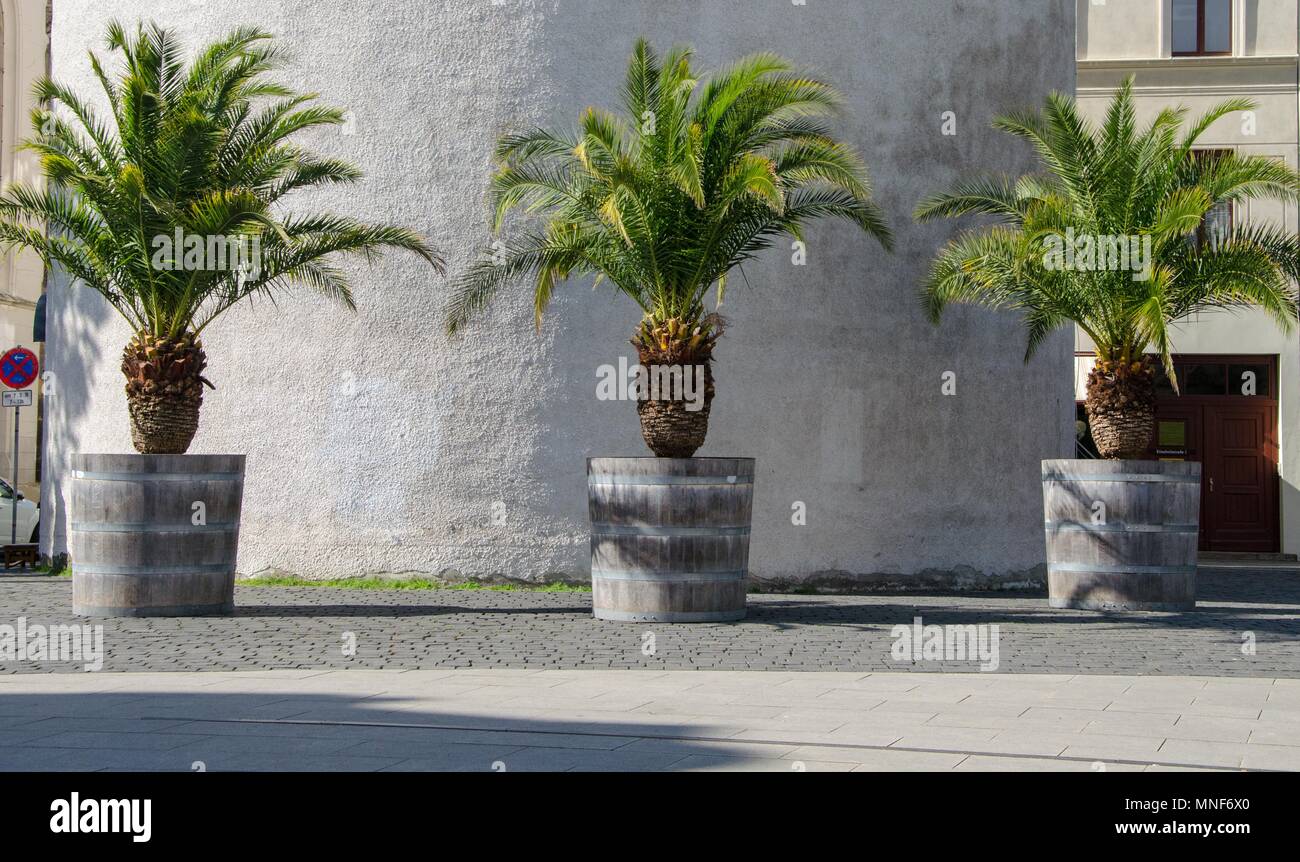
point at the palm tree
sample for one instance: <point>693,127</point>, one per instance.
<point>1113,195</point>
<point>692,180</point>
<point>173,211</point>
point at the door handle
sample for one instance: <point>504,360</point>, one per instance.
<point>1211,484</point>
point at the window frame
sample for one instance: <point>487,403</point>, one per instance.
<point>1200,33</point>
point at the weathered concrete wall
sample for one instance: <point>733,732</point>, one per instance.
<point>375,445</point>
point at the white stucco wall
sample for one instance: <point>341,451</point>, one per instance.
<point>376,445</point>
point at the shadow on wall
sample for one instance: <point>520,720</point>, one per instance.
<point>75,317</point>
<point>185,731</point>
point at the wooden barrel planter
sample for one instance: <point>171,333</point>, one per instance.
<point>154,535</point>
<point>1134,551</point>
<point>669,538</point>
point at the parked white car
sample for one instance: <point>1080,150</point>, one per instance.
<point>29,516</point>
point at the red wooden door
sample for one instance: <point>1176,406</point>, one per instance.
<point>1226,418</point>
<point>1240,480</point>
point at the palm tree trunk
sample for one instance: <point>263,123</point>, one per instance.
<point>164,390</point>
<point>675,423</point>
<point>1121,407</point>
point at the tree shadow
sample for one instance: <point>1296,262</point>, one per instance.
<point>1225,602</point>
<point>76,317</point>
<point>262,730</point>
<point>1242,585</point>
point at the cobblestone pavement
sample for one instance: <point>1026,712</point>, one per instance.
<point>1241,611</point>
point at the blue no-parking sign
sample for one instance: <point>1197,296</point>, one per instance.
<point>18,368</point>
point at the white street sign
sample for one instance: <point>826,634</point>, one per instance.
<point>18,398</point>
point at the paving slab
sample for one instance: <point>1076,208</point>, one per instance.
<point>346,721</point>
<point>717,763</point>
<point>985,763</point>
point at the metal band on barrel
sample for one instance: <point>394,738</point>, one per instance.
<point>1089,569</point>
<point>630,479</point>
<point>637,530</point>
<point>667,577</point>
<point>157,477</point>
<point>1075,526</point>
<point>1122,477</point>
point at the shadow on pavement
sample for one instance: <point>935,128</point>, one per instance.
<point>241,731</point>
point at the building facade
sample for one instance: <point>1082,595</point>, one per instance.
<point>1239,411</point>
<point>24,52</point>
<point>889,451</point>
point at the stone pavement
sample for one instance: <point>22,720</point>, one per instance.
<point>1247,625</point>
<point>520,720</point>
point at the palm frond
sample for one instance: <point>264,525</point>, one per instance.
<point>1135,198</point>
<point>195,153</point>
<point>696,176</point>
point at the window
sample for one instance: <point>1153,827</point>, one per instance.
<point>1217,223</point>
<point>1250,380</point>
<point>1216,226</point>
<point>1202,28</point>
<point>1206,378</point>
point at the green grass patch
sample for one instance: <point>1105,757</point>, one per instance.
<point>410,584</point>
<point>45,570</point>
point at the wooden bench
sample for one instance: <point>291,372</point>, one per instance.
<point>22,555</point>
